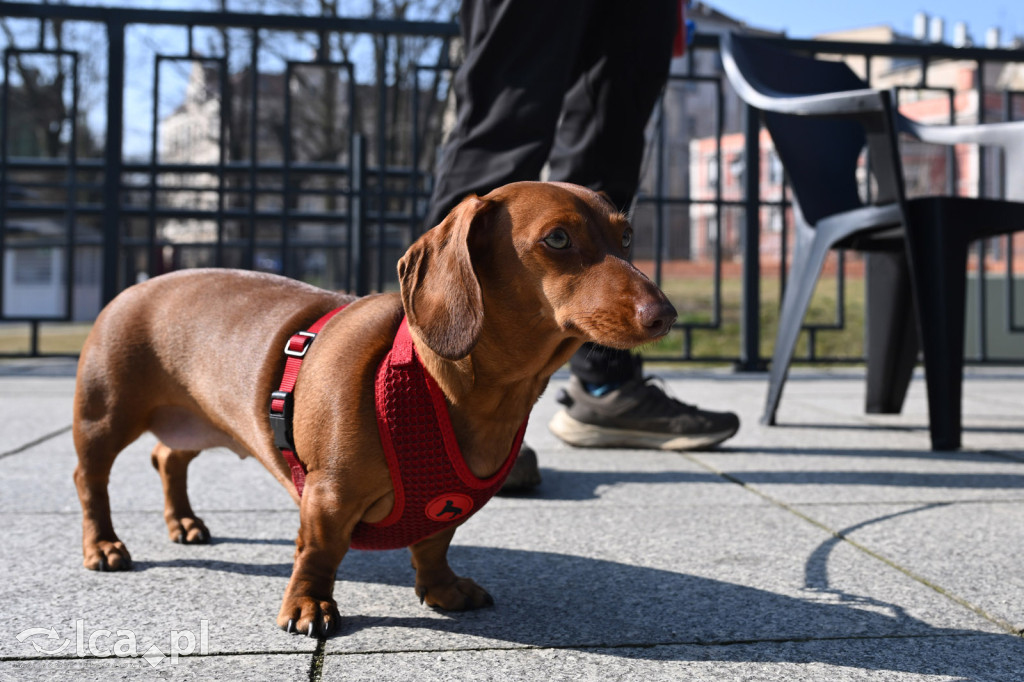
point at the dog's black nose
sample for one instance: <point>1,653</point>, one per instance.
<point>656,317</point>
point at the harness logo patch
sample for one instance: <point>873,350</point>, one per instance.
<point>449,507</point>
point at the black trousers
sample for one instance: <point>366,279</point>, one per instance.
<point>570,83</point>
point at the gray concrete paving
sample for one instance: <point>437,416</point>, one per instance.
<point>834,546</point>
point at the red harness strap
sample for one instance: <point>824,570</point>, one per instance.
<point>281,400</point>
<point>433,486</point>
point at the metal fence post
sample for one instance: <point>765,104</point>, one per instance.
<point>112,161</point>
<point>357,214</point>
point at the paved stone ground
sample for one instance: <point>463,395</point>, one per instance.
<point>834,546</point>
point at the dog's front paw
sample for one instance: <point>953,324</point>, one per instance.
<point>456,594</point>
<point>188,530</point>
<point>107,555</point>
<point>308,616</point>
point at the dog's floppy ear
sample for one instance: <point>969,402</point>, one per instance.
<point>440,290</point>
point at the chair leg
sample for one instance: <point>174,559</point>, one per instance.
<point>892,343</point>
<point>808,259</point>
<point>938,262</point>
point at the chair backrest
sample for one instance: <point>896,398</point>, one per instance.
<point>819,154</point>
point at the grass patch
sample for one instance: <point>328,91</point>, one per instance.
<point>694,299</point>
<point>692,296</point>
<point>55,338</point>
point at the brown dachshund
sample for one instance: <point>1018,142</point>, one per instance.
<point>498,296</point>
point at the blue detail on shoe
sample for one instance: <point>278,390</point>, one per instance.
<point>598,390</point>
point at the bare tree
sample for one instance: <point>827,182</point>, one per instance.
<point>43,92</point>
<point>324,118</point>
<point>321,126</point>
<point>406,55</point>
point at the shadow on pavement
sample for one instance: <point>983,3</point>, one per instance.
<point>586,485</point>
<point>554,600</point>
<point>550,600</point>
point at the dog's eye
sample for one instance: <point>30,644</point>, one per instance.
<point>558,239</point>
<point>627,239</point>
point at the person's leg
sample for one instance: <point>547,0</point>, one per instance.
<point>600,144</point>
<point>602,369</point>
<point>600,140</point>
<point>626,57</point>
<point>521,57</point>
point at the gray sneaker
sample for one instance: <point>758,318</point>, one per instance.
<point>638,414</point>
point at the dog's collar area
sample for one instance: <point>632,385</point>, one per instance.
<point>282,401</point>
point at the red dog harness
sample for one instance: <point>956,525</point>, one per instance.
<point>433,487</point>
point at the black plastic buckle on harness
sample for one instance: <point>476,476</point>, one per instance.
<point>281,422</point>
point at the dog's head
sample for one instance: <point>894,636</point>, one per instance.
<point>531,255</point>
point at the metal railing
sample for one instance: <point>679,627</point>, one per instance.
<point>264,200</point>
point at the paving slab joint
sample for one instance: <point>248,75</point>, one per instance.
<point>316,667</point>
<point>996,620</point>
<point>38,441</point>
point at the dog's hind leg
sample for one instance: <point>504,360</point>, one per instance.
<point>97,445</point>
<point>182,523</point>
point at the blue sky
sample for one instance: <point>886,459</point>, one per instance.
<point>799,18</point>
<point>805,18</point>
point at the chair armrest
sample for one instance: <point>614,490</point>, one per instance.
<point>1007,135</point>
<point>850,103</point>
<point>842,103</point>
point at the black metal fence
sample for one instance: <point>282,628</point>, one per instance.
<point>304,146</point>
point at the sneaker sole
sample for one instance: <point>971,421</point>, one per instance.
<point>583,435</point>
